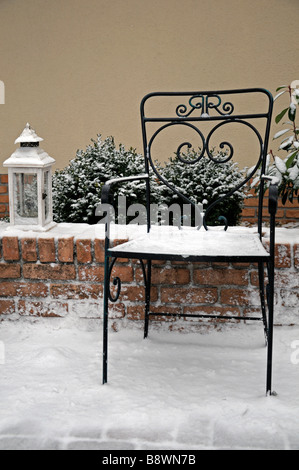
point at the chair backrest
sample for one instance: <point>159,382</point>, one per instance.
<point>222,126</point>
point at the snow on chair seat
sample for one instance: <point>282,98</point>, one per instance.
<point>193,245</point>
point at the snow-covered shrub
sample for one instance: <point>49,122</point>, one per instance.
<point>286,169</point>
<point>205,182</point>
<point>77,188</point>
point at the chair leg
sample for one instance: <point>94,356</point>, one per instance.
<point>262,297</point>
<point>270,292</point>
<point>105,321</point>
<point>148,280</point>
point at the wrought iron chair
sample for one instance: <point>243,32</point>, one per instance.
<point>206,115</point>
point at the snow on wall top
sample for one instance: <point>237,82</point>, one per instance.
<point>85,231</point>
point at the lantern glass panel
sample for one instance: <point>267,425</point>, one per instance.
<point>46,195</point>
<point>26,196</point>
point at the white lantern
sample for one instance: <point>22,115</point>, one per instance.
<point>30,184</point>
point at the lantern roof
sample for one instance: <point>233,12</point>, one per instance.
<point>29,156</point>
<point>28,135</point>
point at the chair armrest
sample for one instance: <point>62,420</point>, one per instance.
<point>273,193</point>
<point>105,197</point>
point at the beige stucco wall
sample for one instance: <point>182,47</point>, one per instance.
<point>75,68</point>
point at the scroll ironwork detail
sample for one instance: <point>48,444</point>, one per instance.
<point>116,282</point>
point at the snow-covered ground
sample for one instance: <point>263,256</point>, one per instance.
<point>196,390</point>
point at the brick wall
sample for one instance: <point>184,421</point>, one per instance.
<point>286,213</point>
<point>62,276</point>
<point>4,199</point>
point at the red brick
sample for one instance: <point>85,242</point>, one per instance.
<point>10,271</point>
<point>91,273</point>
<point>251,201</point>
<point>23,289</point>
<point>42,309</point>
<point>189,295</point>
<point>292,213</point>
<point>221,277</point>
<point>4,199</point>
<point>29,249</point>
<point>217,264</point>
<point>131,293</point>
<point>56,272</point>
<point>10,247</point>
<point>125,273</point>
<point>158,262</point>
<point>7,307</point>
<point>3,189</point>
<point>3,210</point>
<point>165,275</point>
<point>279,213</point>
<point>254,278</point>
<point>4,179</point>
<point>136,293</point>
<point>169,275</point>
<point>46,247</point>
<point>240,297</point>
<point>283,255</point>
<point>248,212</point>
<point>66,250</point>
<point>84,251</point>
<point>99,251</point>
<point>76,291</point>
<point>135,312</point>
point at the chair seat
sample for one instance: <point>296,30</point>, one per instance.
<point>193,245</point>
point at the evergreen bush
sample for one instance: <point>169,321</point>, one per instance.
<point>77,188</point>
<point>206,181</point>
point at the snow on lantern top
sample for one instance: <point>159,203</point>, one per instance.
<point>28,136</point>
<point>29,154</point>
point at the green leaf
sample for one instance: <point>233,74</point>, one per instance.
<point>292,113</point>
<point>291,159</point>
<point>280,115</point>
<point>281,87</point>
<point>284,198</point>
